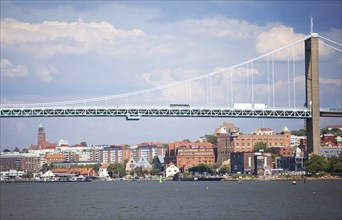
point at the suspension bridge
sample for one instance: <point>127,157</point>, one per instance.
<point>256,88</point>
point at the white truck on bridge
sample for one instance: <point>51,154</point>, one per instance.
<point>249,106</point>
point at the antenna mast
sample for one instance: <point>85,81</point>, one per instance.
<point>311,25</point>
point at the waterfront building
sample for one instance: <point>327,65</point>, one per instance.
<point>159,163</point>
<point>144,164</point>
<point>195,155</point>
<point>47,176</point>
<point>246,142</point>
<point>89,155</point>
<point>20,161</point>
<point>51,158</point>
<point>11,174</point>
<point>69,164</point>
<point>30,162</point>
<point>149,150</point>
<point>114,154</point>
<point>225,135</point>
<point>171,170</point>
<point>296,162</point>
<point>10,161</point>
<point>86,172</point>
<point>284,151</point>
<point>131,164</point>
<point>251,162</point>
<point>71,155</point>
<point>103,172</point>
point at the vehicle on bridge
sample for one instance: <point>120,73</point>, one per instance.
<point>179,105</point>
<point>249,106</point>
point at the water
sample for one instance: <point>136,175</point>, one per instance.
<point>172,200</point>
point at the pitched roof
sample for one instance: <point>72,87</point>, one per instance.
<point>104,166</point>
<point>81,171</point>
<point>54,156</point>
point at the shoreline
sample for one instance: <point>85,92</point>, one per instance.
<point>262,178</point>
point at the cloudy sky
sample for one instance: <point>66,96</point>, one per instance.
<point>54,51</point>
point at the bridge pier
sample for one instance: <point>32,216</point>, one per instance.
<point>312,94</point>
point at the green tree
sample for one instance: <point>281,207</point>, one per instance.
<point>224,169</point>
<point>83,143</point>
<point>335,164</point>
<point>336,132</point>
<point>45,168</point>
<point>28,175</point>
<point>25,150</point>
<point>212,139</point>
<point>116,170</point>
<point>324,131</point>
<point>186,140</point>
<point>317,164</point>
<point>155,171</point>
<point>139,171</point>
<point>6,150</point>
<point>16,149</point>
<point>301,132</point>
<point>260,146</point>
<point>125,163</point>
<point>96,167</point>
<point>201,168</point>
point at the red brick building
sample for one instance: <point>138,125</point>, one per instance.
<point>246,142</point>
<point>51,158</point>
<point>190,157</point>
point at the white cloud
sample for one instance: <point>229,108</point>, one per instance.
<point>232,29</point>
<point>45,73</point>
<point>277,37</point>
<point>280,36</point>
<point>10,70</point>
<point>54,37</point>
<point>336,82</point>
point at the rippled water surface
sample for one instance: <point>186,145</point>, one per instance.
<point>172,200</point>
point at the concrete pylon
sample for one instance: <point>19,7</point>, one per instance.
<point>312,94</point>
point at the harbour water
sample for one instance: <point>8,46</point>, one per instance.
<point>172,200</point>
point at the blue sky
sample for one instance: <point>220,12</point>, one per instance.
<point>68,50</point>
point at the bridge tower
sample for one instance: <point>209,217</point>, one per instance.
<point>312,94</point>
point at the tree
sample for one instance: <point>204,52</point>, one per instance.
<point>28,175</point>
<point>45,168</point>
<point>224,169</point>
<point>335,164</point>
<point>125,163</point>
<point>138,171</point>
<point>25,150</point>
<point>186,140</point>
<point>16,149</point>
<point>212,139</point>
<point>301,132</point>
<point>260,146</point>
<point>96,167</point>
<point>324,131</point>
<point>201,168</point>
<point>317,164</point>
<point>83,143</point>
<point>155,171</point>
<point>116,170</point>
<point>6,151</point>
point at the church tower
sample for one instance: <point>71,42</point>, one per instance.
<point>41,134</point>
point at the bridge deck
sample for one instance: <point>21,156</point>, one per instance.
<point>135,113</point>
